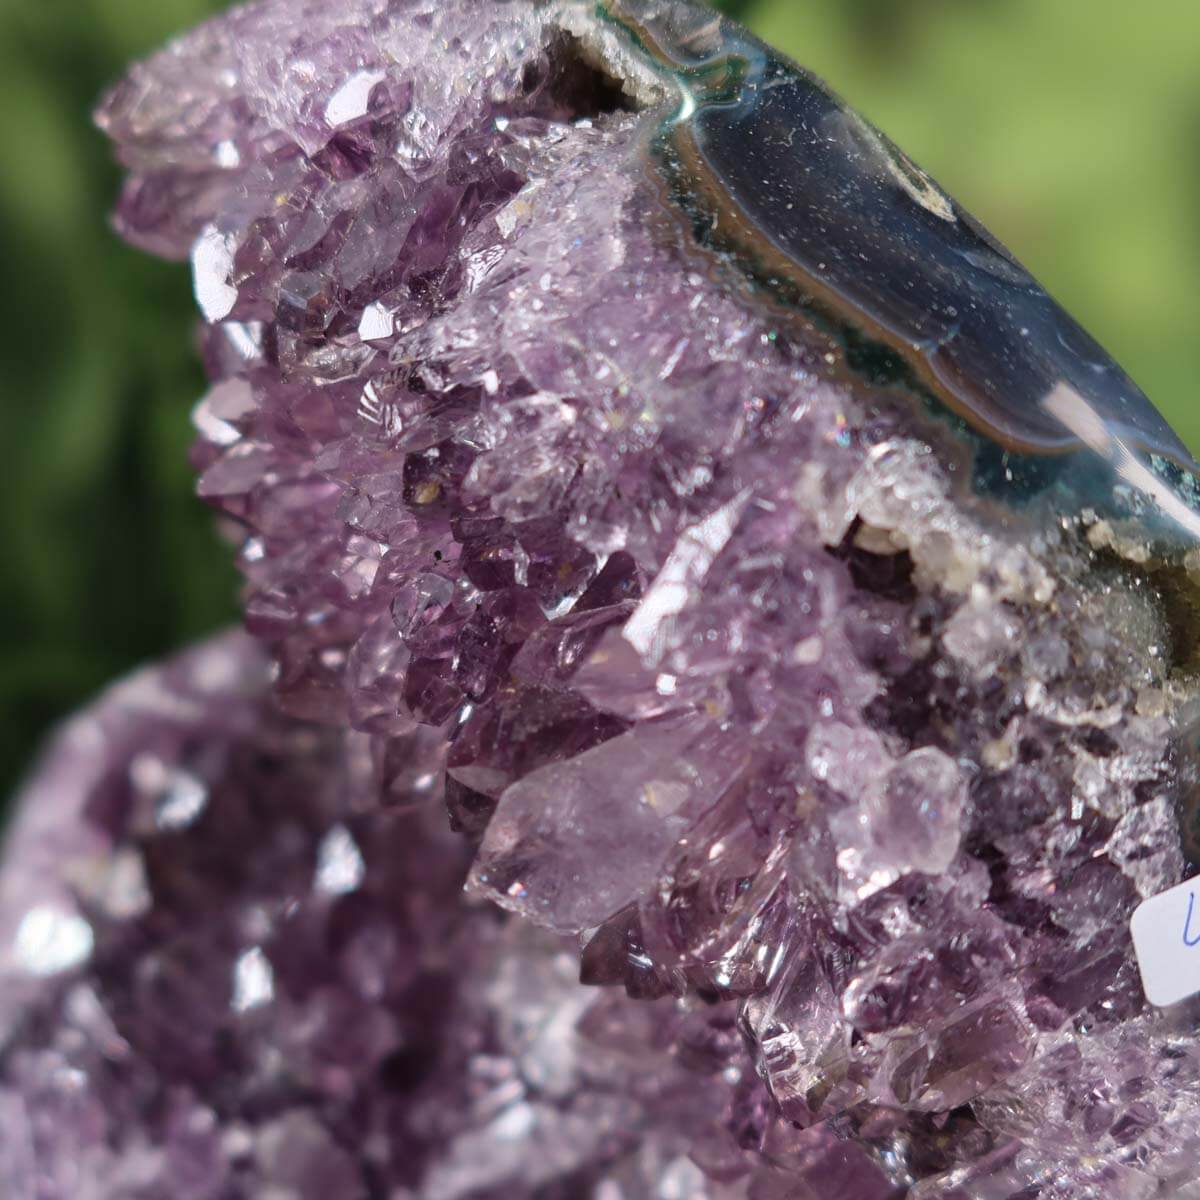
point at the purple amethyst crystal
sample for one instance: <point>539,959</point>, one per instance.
<point>229,970</point>
<point>807,731</point>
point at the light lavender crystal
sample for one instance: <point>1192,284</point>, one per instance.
<point>228,970</point>
<point>848,779</point>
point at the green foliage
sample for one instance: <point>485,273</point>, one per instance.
<point>107,558</point>
<point>1071,128</point>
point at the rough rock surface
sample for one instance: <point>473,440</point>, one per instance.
<point>718,668</point>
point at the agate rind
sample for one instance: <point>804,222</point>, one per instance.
<point>832,227</point>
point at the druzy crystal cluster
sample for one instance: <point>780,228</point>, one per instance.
<point>802,787</point>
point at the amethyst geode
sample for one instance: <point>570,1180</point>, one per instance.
<point>802,666</point>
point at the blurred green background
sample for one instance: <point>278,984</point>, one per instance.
<point>1071,127</point>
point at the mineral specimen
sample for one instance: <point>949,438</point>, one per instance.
<point>630,452</point>
<point>230,971</point>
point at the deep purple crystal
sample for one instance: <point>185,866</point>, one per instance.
<point>845,782</point>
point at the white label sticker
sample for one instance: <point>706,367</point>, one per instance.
<point>1166,940</point>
